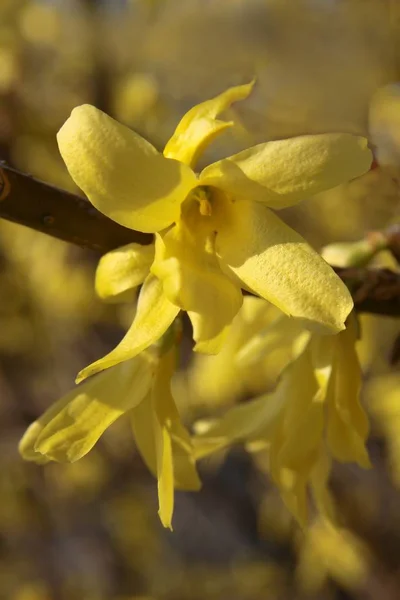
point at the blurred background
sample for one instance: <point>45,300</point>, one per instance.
<point>90,530</point>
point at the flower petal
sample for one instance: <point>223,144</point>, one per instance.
<point>200,126</point>
<point>347,426</point>
<point>87,411</point>
<point>121,270</point>
<point>283,172</point>
<point>153,317</point>
<point>276,262</point>
<point>160,405</point>
<point>122,174</point>
<point>185,262</point>
<point>240,424</point>
<point>28,442</point>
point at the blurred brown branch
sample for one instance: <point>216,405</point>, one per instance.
<point>69,217</point>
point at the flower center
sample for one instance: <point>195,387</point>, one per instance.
<point>203,197</point>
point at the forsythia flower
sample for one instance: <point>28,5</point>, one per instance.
<point>215,232</point>
<point>140,389</point>
<point>259,344</point>
<point>329,551</point>
<point>312,417</point>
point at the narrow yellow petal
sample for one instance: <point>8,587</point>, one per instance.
<point>88,410</point>
<point>122,174</point>
<point>319,480</point>
<point>200,126</point>
<point>347,426</point>
<point>281,173</point>
<point>277,263</point>
<point>121,270</point>
<point>153,317</point>
<point>165,475</point>
<point>192,278</point>
<point>160,405</point>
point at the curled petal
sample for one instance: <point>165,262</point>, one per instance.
<point>122,174</point>
<point>200,125</point>
<point>75,424</point>
<point>121,270</point>
<point>275,262</point>
<point>284,172</point>
<point>153,317</point>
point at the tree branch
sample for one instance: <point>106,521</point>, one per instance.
<point>71,218</point>
<point>66,216</point>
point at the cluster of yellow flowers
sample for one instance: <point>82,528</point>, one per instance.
<point>216,234</point>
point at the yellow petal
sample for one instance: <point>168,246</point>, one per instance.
<point>165,476</point>
<point>281,173</point>
<point>88,410</point>
<point>28,442</point>
<point>347,427</point>
<point>200,126</point>
<point>276,263</point>
<point>281,332</point>
<point>163,441</point>
<point>320,484</point>
<point>240,424</point>
<point>122,174</point>
<point>187,265</point>
<point>120,270</point>
<point>153,317</point>
<point>160,405</point>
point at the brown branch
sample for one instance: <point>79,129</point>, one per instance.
<point>69,217</point>
<point>375,291</point>
<point>66,216</point>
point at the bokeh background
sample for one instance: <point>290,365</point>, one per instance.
<point>90,531</point>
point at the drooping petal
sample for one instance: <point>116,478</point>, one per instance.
<point>154,315</point>
<point>186,263</point>
<point>200,125</point>
<point>185,474</point>
<point>163,441</point>
<point>284,172</point>
<point>276,263</point>
<point>122,174</point>
<point>347,426</point>
<point>319,480</point>
<point>165,476</point>
<point>86,412</point>
<point>161,403</point>
<point>121,270</point>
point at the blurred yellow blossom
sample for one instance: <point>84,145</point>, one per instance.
<point>327,551</point>
<point>215,232</point>
<point>383,397</point>
<point>313,416</point>
<point>257,347</point>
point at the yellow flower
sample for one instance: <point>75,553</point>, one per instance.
<point>313,416</point>
<point>215,231</point>
<point>329,551</point>
<point>140,389</point>
<point>258,345</point>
